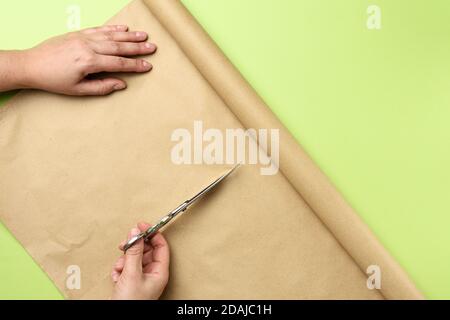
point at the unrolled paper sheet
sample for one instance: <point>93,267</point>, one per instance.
<point>76,173</point>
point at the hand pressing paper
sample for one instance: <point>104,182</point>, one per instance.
<point>67,64</point>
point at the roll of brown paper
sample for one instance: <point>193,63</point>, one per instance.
<point>77,173</point>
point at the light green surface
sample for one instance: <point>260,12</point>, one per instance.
<point>372,107</point>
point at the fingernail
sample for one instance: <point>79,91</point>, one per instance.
<point>115,277</point>
<point>122,28</point>
<point>141,35</point>
<point>119,86</point>
<point>149,45</point>
<point>146,65</point>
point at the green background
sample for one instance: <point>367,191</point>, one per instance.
<point>370,106</point>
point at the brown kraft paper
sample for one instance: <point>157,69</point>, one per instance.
<point>76,173</point>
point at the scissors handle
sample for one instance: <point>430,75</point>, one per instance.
<point>165,220</point>
<point>147,234</point>
<point>150,232</point>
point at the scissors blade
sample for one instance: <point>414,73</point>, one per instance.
<point>212,185</point>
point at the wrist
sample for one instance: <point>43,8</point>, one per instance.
<point>13,70</point>
<point>22,70</point>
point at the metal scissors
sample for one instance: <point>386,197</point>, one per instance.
<point>146,235</point>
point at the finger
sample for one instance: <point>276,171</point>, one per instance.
<point>124,242</point>
<point>119,64</point>
<point>147,258</point>
<point>123,48</point>
<point>117,269</point>
<point>147,246</point>
<point>160,257</point>
<point>120,263</point>
<point>133,256</point>
<point>143,226</point>
<point>99,87</point>
<point>115,276</point>
<point>160,248</point>
<point>112,28</point>
<point>135,36</point>
<point>122,245</point>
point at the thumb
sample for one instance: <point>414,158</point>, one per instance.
<point>133,256</point>
<point>99,87</point>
